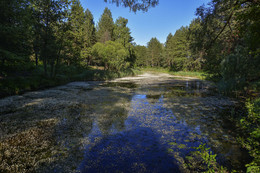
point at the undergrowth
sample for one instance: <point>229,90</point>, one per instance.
<point>18,84</point>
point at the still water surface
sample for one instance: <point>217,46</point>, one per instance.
<point>148,123</point>
<point>165,121</point>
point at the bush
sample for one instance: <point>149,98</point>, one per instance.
<point>250,125</point>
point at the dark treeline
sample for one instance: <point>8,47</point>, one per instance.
<point>45,41</point>
<point>54,33</point>
<point>59,37</point>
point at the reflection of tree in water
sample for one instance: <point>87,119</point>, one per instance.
<point>153,98</point>
<point>76,122</point>
<point>204,116</point>
<point>113,117</point>
<point>70,133</point>
<point>105,107</point>
<point>153,94</point>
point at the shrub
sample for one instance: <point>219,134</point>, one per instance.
<point>250,125</point>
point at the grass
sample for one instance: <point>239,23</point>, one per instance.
<point>200,75</point>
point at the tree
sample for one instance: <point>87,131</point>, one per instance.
<point>105,27</point>
<point>228,29</point>
<point>76,32</point>
<point>112,55</point>
<point>122,33</point>
<point>168,50</point>
<point>141,56</point>
<point>89,29</point>
<point>15,35</point>
<point>136,5</point>
<point>178,47</point>
<point>89,37</point>
<point>196,59</point>
<point>123,36</point>
<point>51,17</point>
<point>154,52</point>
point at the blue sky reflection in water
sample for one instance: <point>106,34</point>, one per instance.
<point>163,124</point>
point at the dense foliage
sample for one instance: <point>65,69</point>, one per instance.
<point>53,39</point>
<point>251,128</point>
<point>224,41</point>
<point>229,41</point>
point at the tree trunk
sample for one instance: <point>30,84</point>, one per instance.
<point>45,66</point>
<point>52,69</point>
<point>57,61</point>
<point>36,59</point>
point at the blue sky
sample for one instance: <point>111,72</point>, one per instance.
<point>158,22</point>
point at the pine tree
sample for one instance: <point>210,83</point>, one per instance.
<point>168,49</point>
<point>155,49</point>
<point>122,32</point>
<point>105,27</point>
<point>141,55</point>
<point>179,49</point>
<point>89,29</point>
<point>89,37</point>
<point>196,59</point>
<point>76,32</point>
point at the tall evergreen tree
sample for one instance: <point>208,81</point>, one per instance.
<point>179,51</point>
<point>89,29</point>
<point>141,56</point>
<point>155,49</point>
<point>168,50</point>
<point>76,32</point>
<point>89,37</point>
<point>196,59</point>
<point>105,27</point>
<point>122,33</point>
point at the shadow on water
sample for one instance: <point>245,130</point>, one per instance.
<point>137,150</point>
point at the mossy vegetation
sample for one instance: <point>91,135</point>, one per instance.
<point>250,125</point>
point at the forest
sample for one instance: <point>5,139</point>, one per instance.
<point>46,43</point>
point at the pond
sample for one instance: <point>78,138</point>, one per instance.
<point>148,123</point>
